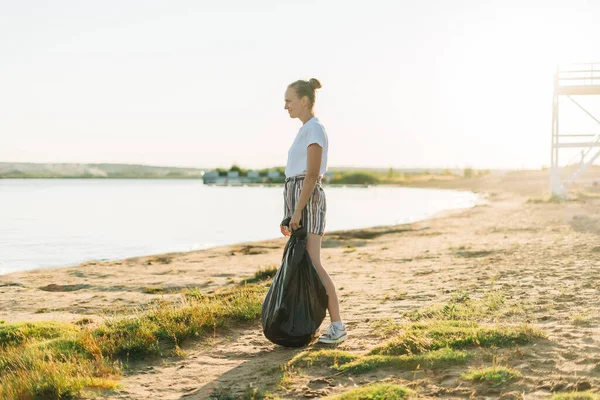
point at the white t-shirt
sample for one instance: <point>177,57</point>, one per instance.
<point>311,132</point>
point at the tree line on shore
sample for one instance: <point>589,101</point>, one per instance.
<point>361,176</point>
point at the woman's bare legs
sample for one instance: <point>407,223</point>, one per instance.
<point>313,246</point>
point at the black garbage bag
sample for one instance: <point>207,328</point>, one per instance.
<point>296,303</point>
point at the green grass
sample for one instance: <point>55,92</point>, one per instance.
<point>348,362</point>
<point>385,327</point>
<point>433,335</point>
<point>330,358</point>
<point>431,344</point>
<point>494,376</point>
<point>576,396</point>
<point>167,325</point>
<point>491,306</point>
<point>251,393</point>
<point>262,274</point>
<point>59,360</point>
<point>442,358</point>
<point>437,338</point>
<point>377,391</point>
<point>19,333</point>
<point>153,290</point>
<point>45,372</point>
<point>194,294</point>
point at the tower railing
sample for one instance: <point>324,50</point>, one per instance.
<point>570,82</point>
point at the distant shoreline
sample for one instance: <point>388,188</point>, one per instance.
<point>178,178</point>
<point>432,184</point>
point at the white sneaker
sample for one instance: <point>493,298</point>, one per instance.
<point>333,335</point>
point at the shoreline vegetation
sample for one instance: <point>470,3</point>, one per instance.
<point>335,176</point>
<point>487,302</point>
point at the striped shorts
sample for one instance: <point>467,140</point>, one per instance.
<point>313,215</point>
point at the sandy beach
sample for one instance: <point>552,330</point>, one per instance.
<point>542,257</point>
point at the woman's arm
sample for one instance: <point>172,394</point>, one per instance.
<point>313,168</point>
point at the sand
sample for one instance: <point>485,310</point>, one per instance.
<point>542,256</point>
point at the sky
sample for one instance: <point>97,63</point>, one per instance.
<point>423,83</point>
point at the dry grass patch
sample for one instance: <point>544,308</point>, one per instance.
<point>166,325</point>
<point>348,362</point>
<point>153,290</point>
<point>550,199</point>
<point>330,358</point>
<point>56,368</point>
<point>476,253</point>
<point>251,393</point>
<point>576,396</point>
<point>377,391</point>
<point>583,195</point>
<point>442,358</point>
<point>433,335</point>
<point>395,296</point>
<point>494,376</point>
<point>386,327</point>
<point>582,318</point>
<point>262,274</point>
<point>20,333</point>
<point>58,360</point>
<point>460,307</point>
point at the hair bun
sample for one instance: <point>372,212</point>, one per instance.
<point>315,83</point>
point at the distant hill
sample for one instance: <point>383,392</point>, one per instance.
<point>95,171</point>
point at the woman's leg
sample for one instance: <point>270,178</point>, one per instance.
<point>313,246</point>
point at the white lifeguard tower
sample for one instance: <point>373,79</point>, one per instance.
<point>571,82</point>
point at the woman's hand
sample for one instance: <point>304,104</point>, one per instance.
<point>295,222</point>
<point>284,230</point>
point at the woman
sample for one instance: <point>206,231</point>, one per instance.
<point>304,198</point>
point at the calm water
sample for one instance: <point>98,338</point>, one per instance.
<point>51,223</point>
